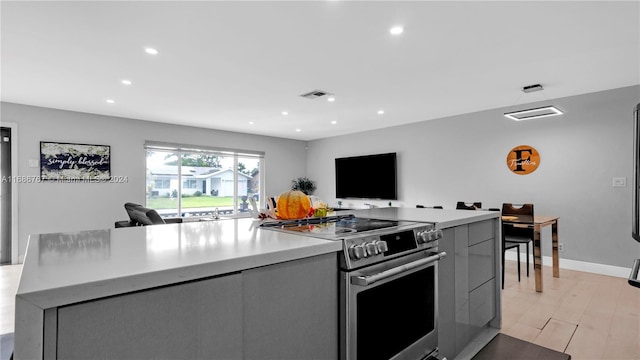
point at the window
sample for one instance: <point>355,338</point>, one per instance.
<point>162,183</point>
<point>190,181</point>
<point>189,184</point>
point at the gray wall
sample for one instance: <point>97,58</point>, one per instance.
<point>440,162</point>
<point>464,158</point>
<point>60,207</point>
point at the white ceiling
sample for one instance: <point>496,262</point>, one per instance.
<point>224,64</point>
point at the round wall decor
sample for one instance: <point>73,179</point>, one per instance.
<point>523,159</point>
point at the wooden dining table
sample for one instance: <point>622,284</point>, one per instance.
<point>540,221</point>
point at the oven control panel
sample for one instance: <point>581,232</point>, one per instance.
<point>367,249</point>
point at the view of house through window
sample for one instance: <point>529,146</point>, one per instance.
<point>197,182</point>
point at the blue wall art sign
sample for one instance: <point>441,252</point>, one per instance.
<point>74,162</point>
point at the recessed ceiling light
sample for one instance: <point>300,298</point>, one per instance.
<point>250,122</point>
<point>334,122</point>
<point>151,51</point>
<point>331,99</point>
<point>298,130</point>
<point>285,113</point>
<point>536,113</point>
<point>126,82</point>
<point>110,101</point>
<point>396,30</point>
<point>380,112</point>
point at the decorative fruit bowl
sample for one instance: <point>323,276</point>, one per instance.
<point>295,204</point>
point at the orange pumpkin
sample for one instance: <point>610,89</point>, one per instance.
<point>293,204</point>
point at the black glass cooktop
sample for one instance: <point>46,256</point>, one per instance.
<point>331,225</point>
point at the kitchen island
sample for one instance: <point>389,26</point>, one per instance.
<point>177,291</point>
<point>231,289</point>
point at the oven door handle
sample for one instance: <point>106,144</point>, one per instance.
<point>370,279</point>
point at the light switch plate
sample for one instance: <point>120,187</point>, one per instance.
<point>619,182</point>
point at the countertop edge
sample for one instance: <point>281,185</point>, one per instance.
<point>104,288</point>
<point>52,297</point>
<point>442,218</point>
<point>479,216</point>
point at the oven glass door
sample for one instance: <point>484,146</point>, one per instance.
<point>394,318</point>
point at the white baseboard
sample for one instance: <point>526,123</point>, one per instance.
<point>568,264</point>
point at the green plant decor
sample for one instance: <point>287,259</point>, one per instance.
<point>304,184</point>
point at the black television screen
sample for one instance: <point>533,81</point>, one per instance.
<point>367,177</point>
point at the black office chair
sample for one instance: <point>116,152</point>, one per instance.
<point>514,235</point>
<point>142,216</point>
<point>461,205</point>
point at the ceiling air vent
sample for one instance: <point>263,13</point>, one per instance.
<point>315,94</point>
<point>532,88</point>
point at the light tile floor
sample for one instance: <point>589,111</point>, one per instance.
<point>588,316</point>
<point>9,277</point>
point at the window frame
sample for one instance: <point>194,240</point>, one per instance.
<point>187,183</point>
<point>181,149</point>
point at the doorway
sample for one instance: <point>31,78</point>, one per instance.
<point>5,197</point>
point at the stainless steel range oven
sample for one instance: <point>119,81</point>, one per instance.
<point>388,284</point>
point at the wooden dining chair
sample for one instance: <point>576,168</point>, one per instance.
<point>461,205</point>
<point>514,235</point>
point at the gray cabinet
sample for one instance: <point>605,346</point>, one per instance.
<point>282,311</point>
<point>481,307</point>
<point>291,310</point>
<point>467,284</point>
<point>461,280</point>
<point>185,321</point>
<point>481,263</point>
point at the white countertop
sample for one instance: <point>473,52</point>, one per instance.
<point>64,268</point>
<point>443,218</point>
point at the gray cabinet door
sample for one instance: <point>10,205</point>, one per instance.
<point>482,306</point>
<point>196,320</point>
<point>481,263</point>
<point>291,310</point>
<point>461,299</point>
<point>481,231</point>
<point>466,285</point>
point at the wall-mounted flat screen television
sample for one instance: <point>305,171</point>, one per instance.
<point>367,177</point>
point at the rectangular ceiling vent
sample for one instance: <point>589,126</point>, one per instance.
<point>315,94</point>
<point>532,88</point>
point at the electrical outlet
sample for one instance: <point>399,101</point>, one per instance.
<point>619,182</point>
<point>560,247</point>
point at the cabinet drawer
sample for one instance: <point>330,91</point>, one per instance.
<point>481,263</point>
<point>481,306</point>
<point>481,231</point>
